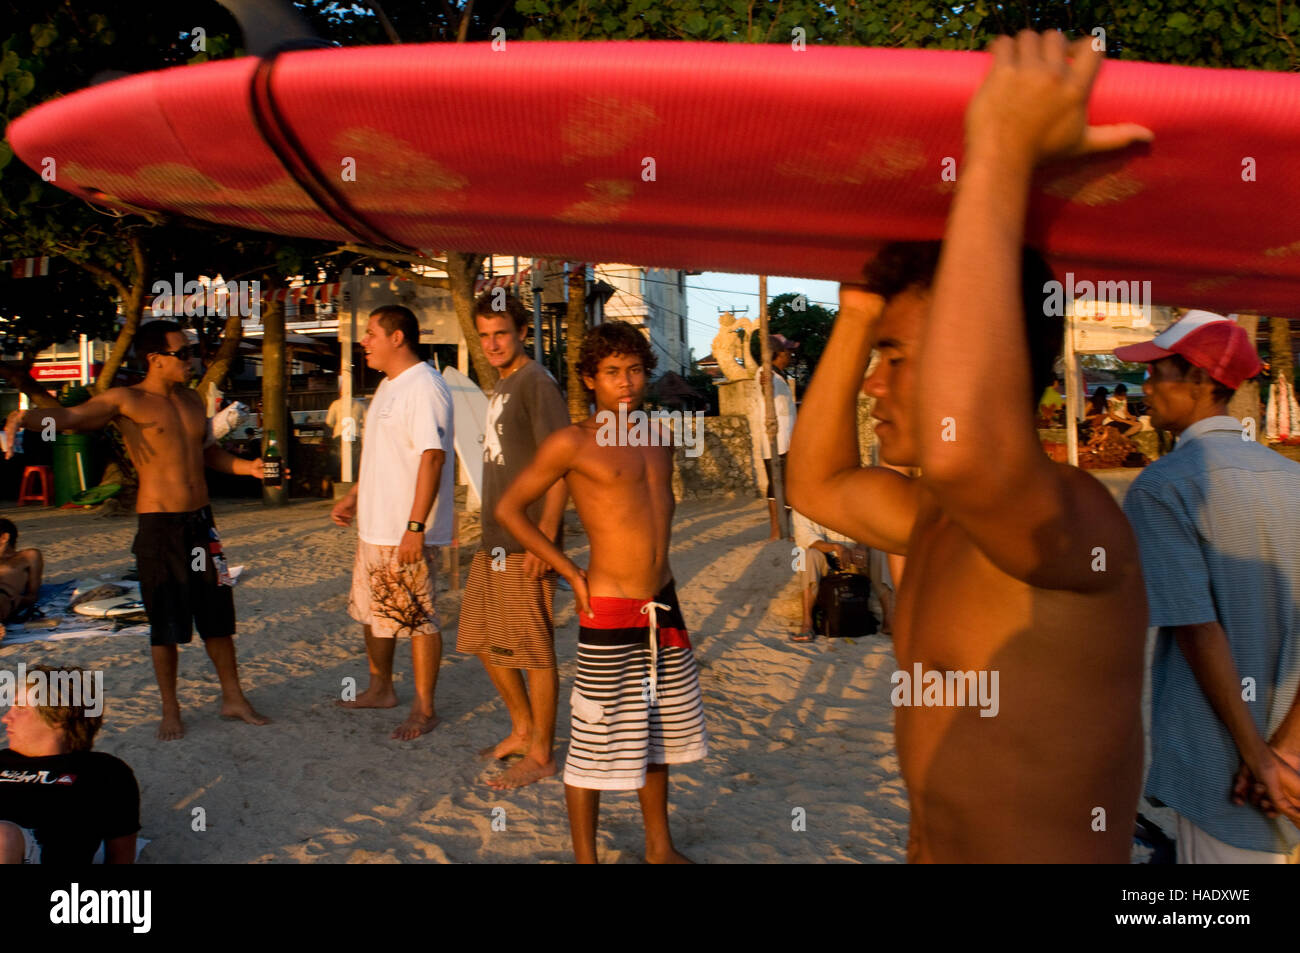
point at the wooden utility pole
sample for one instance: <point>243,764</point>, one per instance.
<point>1245,402</point>
<point>769,410</point>
<point>275,414</point>
<point>1280,356</point>
<point>575,319</point>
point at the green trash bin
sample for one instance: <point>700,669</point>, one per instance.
<point>74,466</point>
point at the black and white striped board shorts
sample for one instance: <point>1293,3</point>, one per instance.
<point>622,720</point>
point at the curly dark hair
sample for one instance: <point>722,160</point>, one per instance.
<point>609,338</point>
<point>903,265</point>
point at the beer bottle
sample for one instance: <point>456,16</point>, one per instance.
<point>272,470</point>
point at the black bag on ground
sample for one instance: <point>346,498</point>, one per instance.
<point>843,607</point>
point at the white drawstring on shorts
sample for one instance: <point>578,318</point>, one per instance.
<point>649,609</point>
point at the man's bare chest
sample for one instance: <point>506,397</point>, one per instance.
<point>159,424</point>
<point>956,609</point>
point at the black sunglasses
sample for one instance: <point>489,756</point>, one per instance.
<point>184,354</point>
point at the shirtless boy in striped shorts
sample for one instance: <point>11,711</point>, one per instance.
<point>636,699</point>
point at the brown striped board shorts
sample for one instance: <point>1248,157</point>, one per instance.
<point>391,598</point>
<point>507,616</point>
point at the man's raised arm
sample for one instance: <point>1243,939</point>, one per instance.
<point>983,461</point>
<point>873,505</point>
<point>94,414</point>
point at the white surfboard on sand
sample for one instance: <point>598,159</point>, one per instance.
<point>471,405</point>
<point>114,607</point>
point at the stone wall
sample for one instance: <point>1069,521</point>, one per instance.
<point>724,468</point>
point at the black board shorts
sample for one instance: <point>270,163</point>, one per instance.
<point>184,581</point>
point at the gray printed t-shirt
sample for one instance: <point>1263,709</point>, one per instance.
<point>526,409</point>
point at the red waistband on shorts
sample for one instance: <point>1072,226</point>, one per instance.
<point>620,621</point>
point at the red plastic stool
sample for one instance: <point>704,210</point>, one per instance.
<point>45,476</point>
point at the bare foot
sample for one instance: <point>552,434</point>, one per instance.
<point>522,773</point>
<point>513,745</point>
<point>171,728</point>
<point>415,725</point>
<point>243,711</point>
<point>372,699</point>
<point>671,857</point>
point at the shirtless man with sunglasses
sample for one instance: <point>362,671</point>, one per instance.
<point>183,575</point>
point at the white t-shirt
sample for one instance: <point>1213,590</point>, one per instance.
<point>806,532</point>
<point>409,414</point>
<point>785,414</point>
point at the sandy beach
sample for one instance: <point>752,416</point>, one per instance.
<point>791,726</point>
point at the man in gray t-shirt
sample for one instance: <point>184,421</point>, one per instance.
<point>506,613</point>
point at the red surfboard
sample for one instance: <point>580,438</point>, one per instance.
<point>724,157</point>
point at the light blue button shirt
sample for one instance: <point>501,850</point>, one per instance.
<point>1218,528</point>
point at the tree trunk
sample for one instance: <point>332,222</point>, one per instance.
<point>132,308</point>
<point>274,410</point>
<point>1245,402</point>
<point>463,269</point>
<point>575,319</point>
<point>1281,358</point>
<point>231,335</point>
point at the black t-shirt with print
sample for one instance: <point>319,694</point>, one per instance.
<point>70,801</point>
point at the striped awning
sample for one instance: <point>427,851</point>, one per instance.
<point>323,294</point>
<point>320,294</point>
<point>502,281</point>
<point>26,267</point>
<point>328,292</point>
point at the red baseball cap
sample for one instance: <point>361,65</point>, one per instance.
<point>1217,345</point>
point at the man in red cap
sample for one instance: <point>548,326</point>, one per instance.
<point>1217,522</point>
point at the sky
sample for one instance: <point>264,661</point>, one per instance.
<point>709,293</point>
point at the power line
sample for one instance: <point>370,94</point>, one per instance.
<point>676,360</point>
<point>676,314</point>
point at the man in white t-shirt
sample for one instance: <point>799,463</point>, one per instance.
<point>783,398</point>
<point>403,504</point>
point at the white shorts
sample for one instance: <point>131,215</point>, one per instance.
<point>1195,846</point>
<point>391,598</point>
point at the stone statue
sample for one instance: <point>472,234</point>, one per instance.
<point>731,348</point>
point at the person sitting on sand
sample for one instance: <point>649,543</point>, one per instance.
<point>169,438</point>
<point>816,547</point>
<point>20,573</point>
<point>1018,568</point>
<point>59,800</point>
<point>402,502</point>
<point>636,704</point>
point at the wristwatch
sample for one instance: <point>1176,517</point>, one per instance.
<point>414,527</point>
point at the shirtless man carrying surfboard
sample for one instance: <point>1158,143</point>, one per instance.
<point>1020,572</point>
<point>182,570</point>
